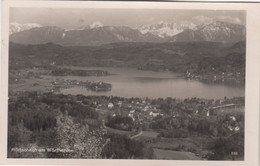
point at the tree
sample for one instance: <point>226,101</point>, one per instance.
<point>76,137</point>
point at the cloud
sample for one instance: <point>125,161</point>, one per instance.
<point>201,20</point>
<point>229,19</point>
<point>204,19</point>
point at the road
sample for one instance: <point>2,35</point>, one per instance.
<point>226,105</point>
<point>136,135</point>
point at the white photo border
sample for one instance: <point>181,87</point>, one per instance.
<point>252,79</point>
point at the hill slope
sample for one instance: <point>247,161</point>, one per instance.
<point>179,57</point>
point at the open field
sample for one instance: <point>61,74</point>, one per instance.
<point>150,134</point>
<point>197,145</point>
<point>32,84</point>
<point>174,155</point>
<point>235,110</point>
<point>147,134</point>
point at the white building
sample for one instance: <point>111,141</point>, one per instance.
<point>146,108</point>
<point>110,105</point>
<point>237,128</point>
<point>154,114</point>
<point>230,128</point>
<point>132,112</point>
<point>233,118</point>
<point>207,113</point>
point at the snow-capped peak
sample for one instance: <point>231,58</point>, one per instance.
<point>96,24</point>
<point>17,27</point>
<point>165,29</point>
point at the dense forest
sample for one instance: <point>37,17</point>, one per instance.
<point>121,147</point>
<point>195,57</point>
<point>119,122</point>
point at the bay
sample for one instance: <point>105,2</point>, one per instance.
<point>129,82</point>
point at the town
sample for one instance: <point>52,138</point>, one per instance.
<point>218,77</point>
<point>149,122</point>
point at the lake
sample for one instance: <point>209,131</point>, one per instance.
<point>128,82</point>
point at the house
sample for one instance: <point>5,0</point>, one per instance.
<point>237,128</point>
<point>120,103</point>
<point>132,112</point>
<point>110,105</point>
<point>208,113</point>
<point>154,114</point>
<point>146,108</point>
<point>132,116</point>
<point>233,118</point>
<point>230,128</point>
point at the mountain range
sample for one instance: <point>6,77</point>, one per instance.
<point>217,31</point>
<point>166,29</point>
<point>99,34</point>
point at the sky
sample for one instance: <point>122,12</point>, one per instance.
<point>71,18</point>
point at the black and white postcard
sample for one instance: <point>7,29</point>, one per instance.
<point>130,82</point>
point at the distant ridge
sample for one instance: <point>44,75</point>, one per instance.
<point>217,31</point>
<point>173,56</point>
<point>98,34</point>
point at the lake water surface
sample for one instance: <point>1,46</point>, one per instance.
<point>129,82</point>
